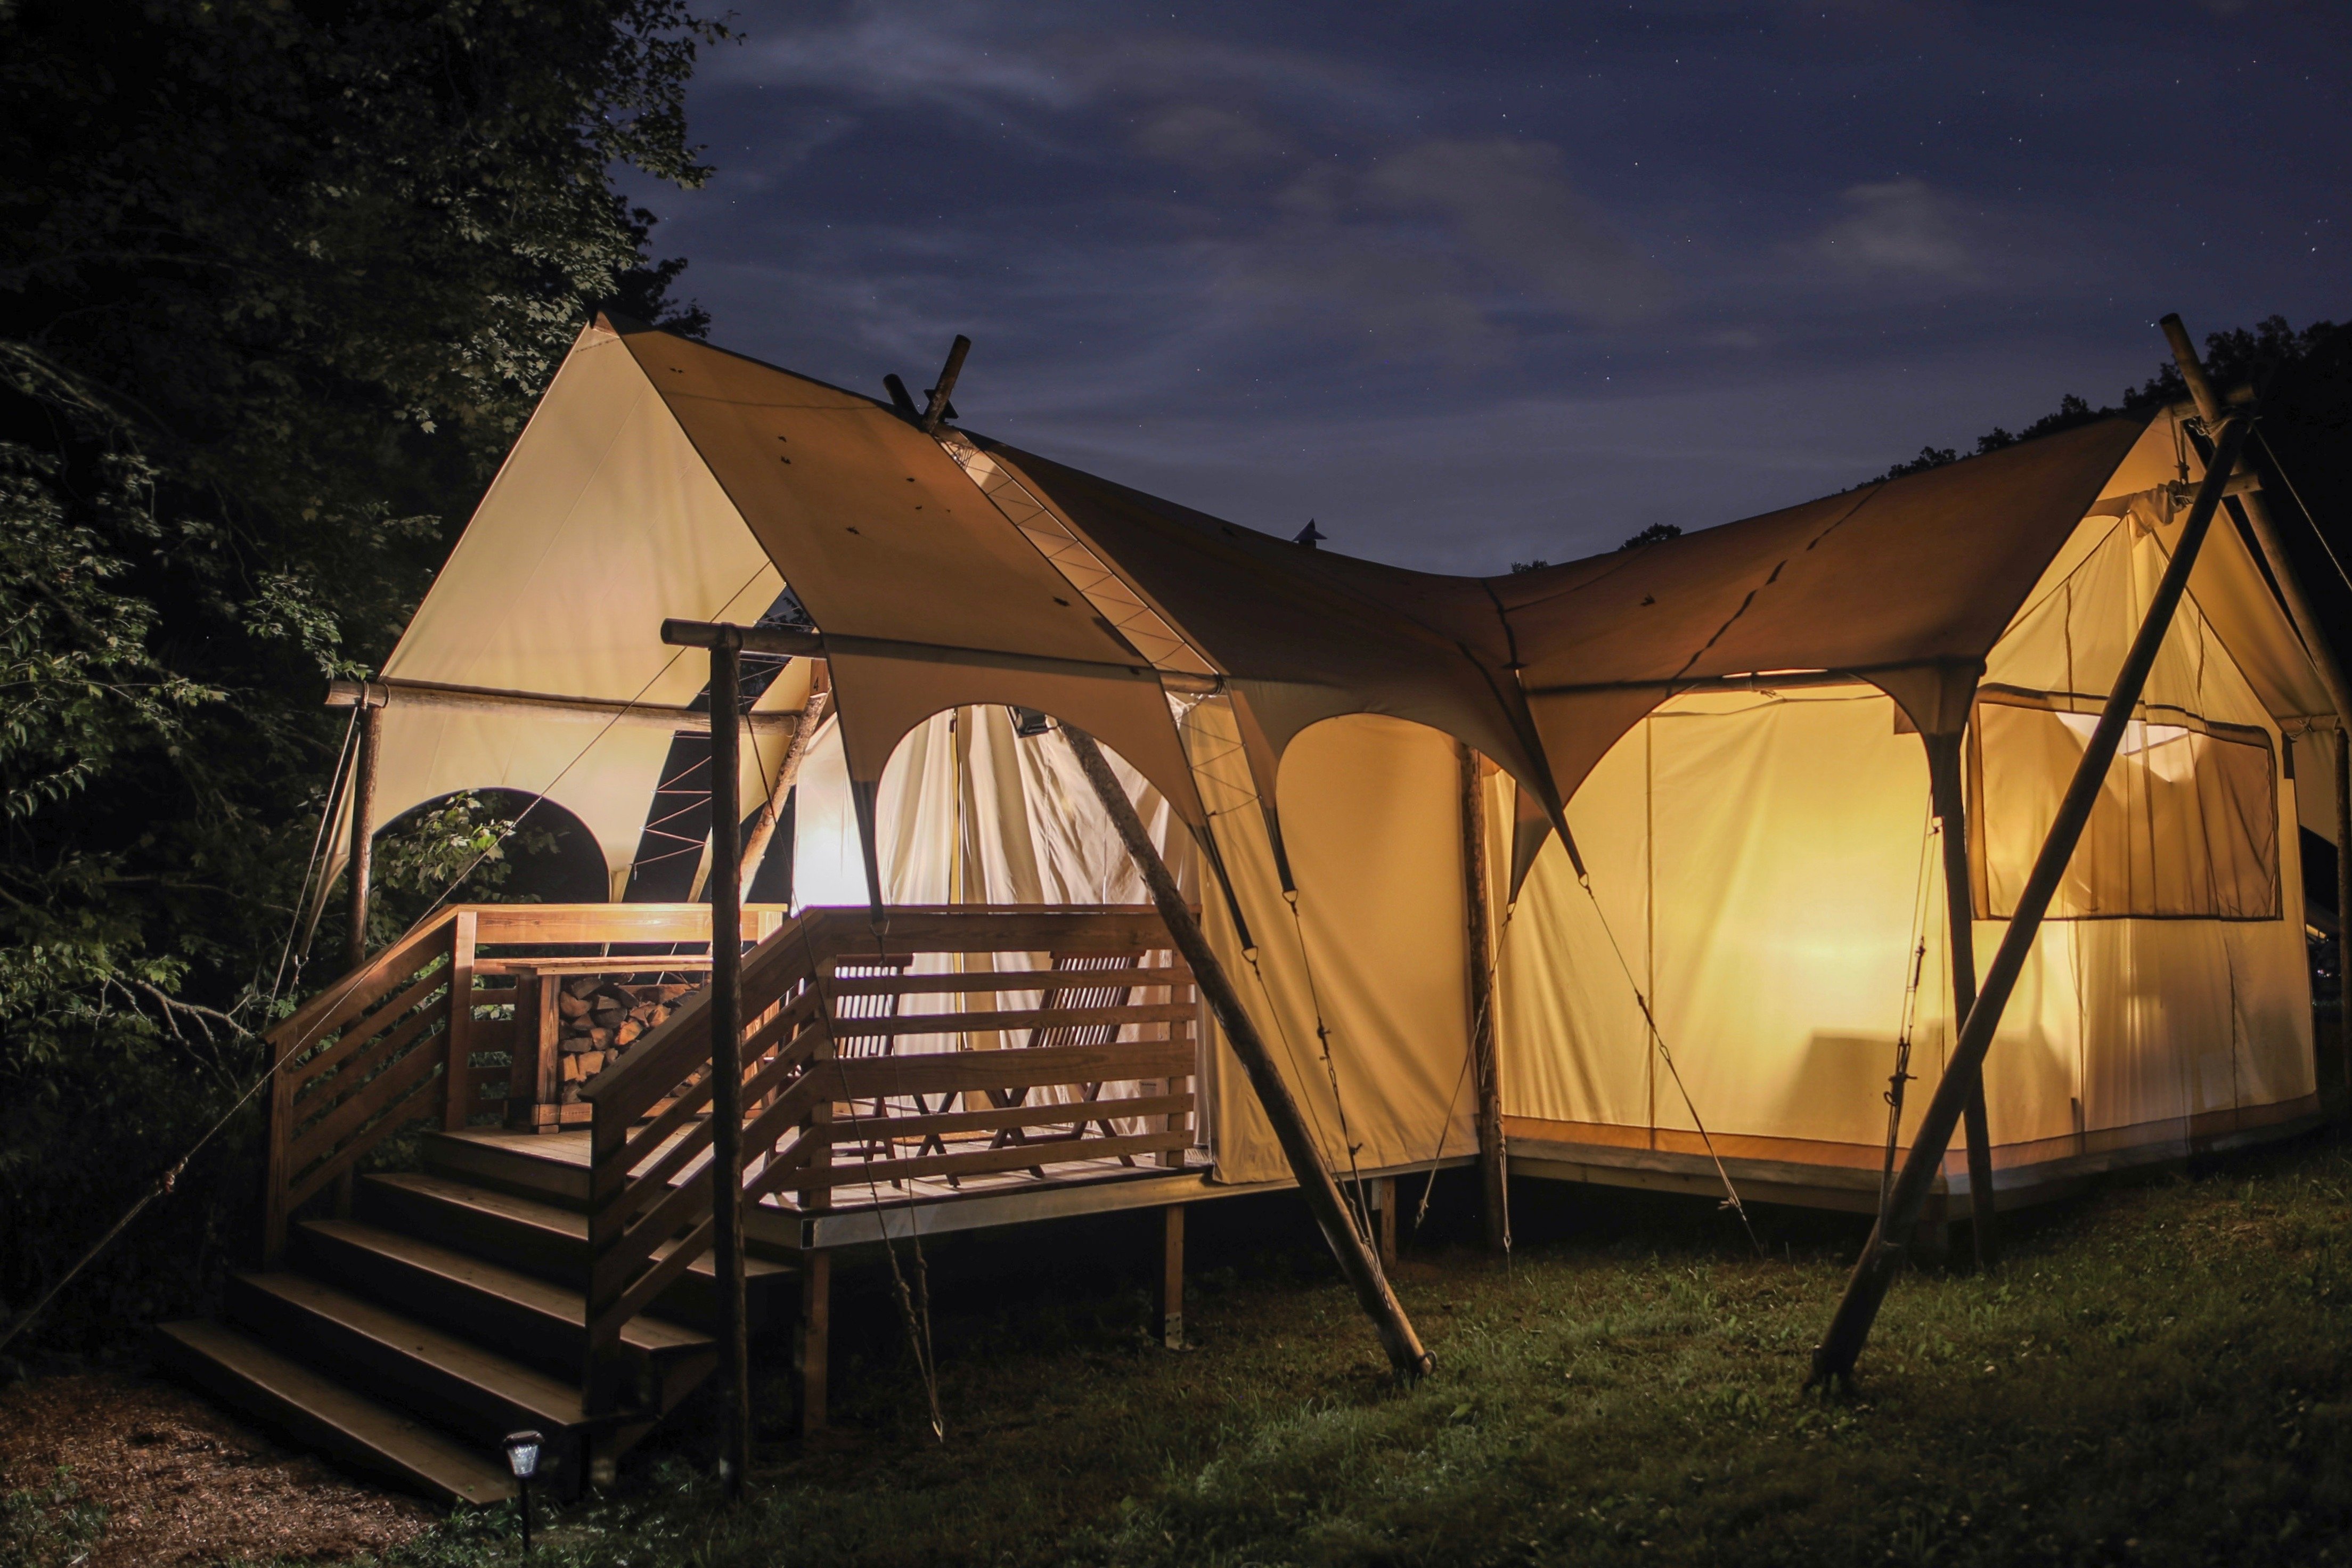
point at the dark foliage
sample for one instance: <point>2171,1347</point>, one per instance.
<point>2243,357</point>
<point>279,282</point>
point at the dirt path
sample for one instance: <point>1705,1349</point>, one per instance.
<point>184,1484</point>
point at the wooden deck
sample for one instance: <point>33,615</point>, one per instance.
<point>859,1212</point>
<point>955,1069</point>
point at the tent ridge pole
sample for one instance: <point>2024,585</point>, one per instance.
<point>1315,1182</point>
<point>1841,1346</point>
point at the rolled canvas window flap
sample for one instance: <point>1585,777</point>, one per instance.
<point>2186,827</point>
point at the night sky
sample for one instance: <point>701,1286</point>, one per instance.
<point>1472,284</point>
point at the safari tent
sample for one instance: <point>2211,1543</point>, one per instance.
<point>1658,869</point>
<point>1730,724</point>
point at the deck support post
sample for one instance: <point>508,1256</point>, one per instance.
<point>726,1066</point>
<point>812,1338</point>
<point>1171,1277</point>
<point>1347,1242</point>
<point>1841,1346</point>
<point>1485,1062</point>
<point>362,831</point>
<point>1951,805</point>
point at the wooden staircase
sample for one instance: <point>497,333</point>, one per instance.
<point>527,1276</point>
<point>447,1312</point>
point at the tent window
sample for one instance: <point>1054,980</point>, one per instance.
<point>2186,827</point>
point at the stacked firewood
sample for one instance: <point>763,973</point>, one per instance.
<point>600,1019</point>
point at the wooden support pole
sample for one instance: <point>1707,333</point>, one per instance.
<point>362,832</point>
<point>1307,1163</point>
<point>1950,800</point>
<point>812,1338</point>
<point>727,1073</point>
<point>1385,1201</point>
<point>1485,1062</point>
<point>2316,643</point>
<point>1834,1357</point>
<point>1171,1277</point>
<point>2344,888</point>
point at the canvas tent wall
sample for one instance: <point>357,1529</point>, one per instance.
<point>660,477</point>
<point>1298,712</point>
<point>1762,853</point>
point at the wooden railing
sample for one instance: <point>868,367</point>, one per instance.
<point>423,1034</point>
<point>846,1084</point>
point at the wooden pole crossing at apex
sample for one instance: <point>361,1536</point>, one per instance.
<point>1834,1357</point>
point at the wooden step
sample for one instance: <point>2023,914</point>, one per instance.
<point>313,1410</point>
<point>554,1171</point>
<point>531,1319</point>
<point>477,1393</point>
<point>536,1238</point>
<point>528,1167</point>
<point>522,1233</point>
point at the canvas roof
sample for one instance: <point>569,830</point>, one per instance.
<point>958,571</point>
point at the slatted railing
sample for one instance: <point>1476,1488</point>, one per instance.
<point>943,1045</point>
<point>387,1047</point>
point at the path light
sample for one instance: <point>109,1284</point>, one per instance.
<point>523,1458</point>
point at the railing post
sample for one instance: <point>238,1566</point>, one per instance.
<point>460,1087</point>
<point>281,1130</point>
<point>811,1336</point>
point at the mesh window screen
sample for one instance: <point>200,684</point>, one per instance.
<point>2186,827</point>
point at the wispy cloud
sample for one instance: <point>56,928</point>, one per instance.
<point>1900,226</point>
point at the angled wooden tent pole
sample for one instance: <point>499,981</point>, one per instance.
<point>1945,790</point>
<point>2316,641</point>
<point>788,773</point>
<point>1315,1180</point>
<point>1834,1357</point>
<point>726,1061</point>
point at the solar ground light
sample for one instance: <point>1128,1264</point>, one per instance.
<point>523,1458</point>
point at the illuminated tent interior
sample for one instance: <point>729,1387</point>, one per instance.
<point>1727,727</point>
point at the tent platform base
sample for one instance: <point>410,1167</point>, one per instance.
<point>555,1164</point>
<point>1845,1177</point>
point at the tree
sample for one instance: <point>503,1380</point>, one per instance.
<point>279,280</point>
<point>2244,356</point>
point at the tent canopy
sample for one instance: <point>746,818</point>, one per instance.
<point>678,479</point>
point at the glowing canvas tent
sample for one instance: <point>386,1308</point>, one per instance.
<point>1722,724</point>
<point>1739,715</point>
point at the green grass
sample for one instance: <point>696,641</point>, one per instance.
<point>2158,1375</point>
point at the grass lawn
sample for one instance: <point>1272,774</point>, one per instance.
<point>2156,1375</point>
